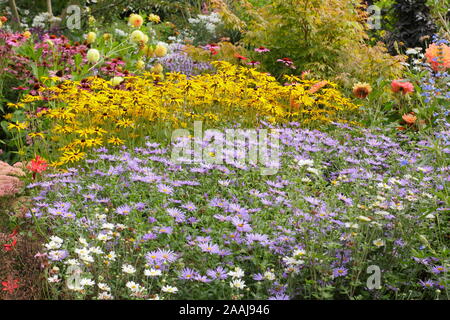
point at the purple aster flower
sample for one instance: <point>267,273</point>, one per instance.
<point>258,277</point>
<point>339,272</point>
<point>89,196</point>
<point>57,255</point>
<point>438,269</point>
<point>167,255</point>
<point>279,296</point>
<point>192,220</point>
<point>149,236</point>
<point>429,284</point>
<point>124,210</point>
<point>203,279</point>
<point>139,206</point>
<point>166,230</point>
<point>189,206</point>
<point>188,274</point>
<point>218,273</point>
<point>60,211</point>
<point>347,201</point>
<point>209,247</point>
<point>163,188</point>
<point>177,214</point>
<point>312,200</point>
<point>241,225</point>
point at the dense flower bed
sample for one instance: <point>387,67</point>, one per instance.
<point>78,115</point>
<point>137,225</point>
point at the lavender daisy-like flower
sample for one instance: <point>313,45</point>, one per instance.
<point>163,188</point>
<point>166,230</point>
<point>177,214</point>
<point>219,273</point>
<point>201,278</point>
<point>57,255</point>
<point>279,296</point>
<point>258,277</point>
<point>188,274</point>
<point>209,247</point>
<point>124,210</point>
<point>339,272</point>
<point>438,269</point>
<point>429,284</point>
<point>167,255</point>
<point>189,206</point>
<point>89,196</point>
<point>59,211</point>
<point>148,236</point>
<point>241,225</point>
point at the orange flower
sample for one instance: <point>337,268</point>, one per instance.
<point>27,34</point>
<point>318,86</point>
<point>402,86</point>
<point>438,56</point>
<point>409,118</point>
<point>362,90</point>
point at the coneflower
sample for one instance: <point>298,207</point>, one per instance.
<point>361,90</point>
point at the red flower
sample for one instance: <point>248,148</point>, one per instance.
<point>10,285</point>
<point>13,234</point>
<point>240,57</point>
<point>3,19</point>
<point>402,86</point>
<point>9,247</point>
<point>37,165</point>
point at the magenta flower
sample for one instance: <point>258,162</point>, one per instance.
<point>262,49</point>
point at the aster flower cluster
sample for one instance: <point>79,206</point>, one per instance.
<point>133,224</point>
<point>180,61</point>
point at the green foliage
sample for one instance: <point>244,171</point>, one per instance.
<point>321,36</point>
<point>312,33</point>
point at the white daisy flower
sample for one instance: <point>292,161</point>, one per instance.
<point>152,272</point>
<point>238,283</point>
<point>169,289</point>
<point>128,268</point>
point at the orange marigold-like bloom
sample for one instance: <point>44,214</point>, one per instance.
<point>438,56</point>
<point>402,86</point>
<point>409,118</point>
<point>362,90</point>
